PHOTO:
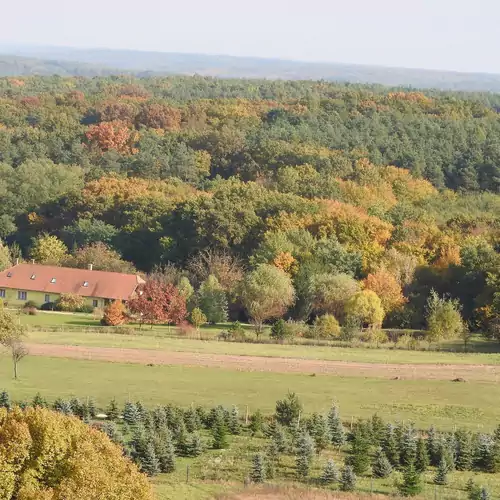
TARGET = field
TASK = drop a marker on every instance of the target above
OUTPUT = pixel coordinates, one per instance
(159, 366)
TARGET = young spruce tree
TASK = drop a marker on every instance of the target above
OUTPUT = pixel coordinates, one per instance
(381, 466)
(412, 482)
(347, 479)
(422, 459)
(337, 432)
(441, 476)
(330, 473)
(258, 472)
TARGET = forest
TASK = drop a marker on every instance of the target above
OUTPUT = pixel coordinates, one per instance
(338, 196)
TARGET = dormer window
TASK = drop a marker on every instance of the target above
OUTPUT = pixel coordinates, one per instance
(53, 280)
(33, 276)
(9, 275)
(85, 283)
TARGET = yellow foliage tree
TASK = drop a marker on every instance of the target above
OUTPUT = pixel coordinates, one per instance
(367, 307)
(45, 455)
(48, 249)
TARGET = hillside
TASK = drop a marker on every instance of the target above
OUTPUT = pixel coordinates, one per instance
(92, 62)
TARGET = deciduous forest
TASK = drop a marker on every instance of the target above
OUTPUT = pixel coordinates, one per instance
(294, 199)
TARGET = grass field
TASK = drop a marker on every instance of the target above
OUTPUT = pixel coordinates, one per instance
(445, 404)
(359, 354)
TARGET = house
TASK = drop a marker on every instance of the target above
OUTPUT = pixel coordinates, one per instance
(42, 284)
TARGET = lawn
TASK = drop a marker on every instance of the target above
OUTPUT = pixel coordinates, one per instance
(445, 404)
(359, 354)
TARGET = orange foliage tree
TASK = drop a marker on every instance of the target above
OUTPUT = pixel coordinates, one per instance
(160, 116)
(114, 135)
(114, 314)
(387, 287)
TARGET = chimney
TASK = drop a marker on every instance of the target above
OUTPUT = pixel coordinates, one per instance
(91, 266)
(17, 261)
(32, 261)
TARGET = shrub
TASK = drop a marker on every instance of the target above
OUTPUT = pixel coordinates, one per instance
(32, 311)
(30, 304)
(407, 342)
(327, 327)
(70, 302)
(375, 336)
(48, 306)
(86, 308)
(114, 314)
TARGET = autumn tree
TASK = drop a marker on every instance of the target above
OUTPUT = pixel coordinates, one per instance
(5, 257)
(11, 337)
(366, 306)
(198, 318)
(114, 135)
(81, 461)
(386, 286)
(114, 314)
(155, 303)
(444, 320)
(47, 249)
(267, 293)
(159, 116)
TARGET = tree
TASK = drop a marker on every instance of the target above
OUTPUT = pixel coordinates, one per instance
(441, 476)
(114, 314)
(444, 320)
(130, 414)
(267, 293)
(256, 421)
(337, 431)
(288, 409)
(155, 302)
(387, 287)
(280, 331)
(165, 452)
(347, 479)
(359, 458)
(113, 135)
(11, 337)
(330, 473)
(366, 306)
(412, 482)
(422, 458)
(433, 442)
(45, 440)
(318, 429)
(327, 327)
(212, 300)
(102, 258)
(381, 466)
(234, 421)
(198, 318)
(219, 433)
(305, 453)
(70, 302)
(149, 461)
(5, 257)
(112, 410)
(47, 249)
(195, 445)
(464, 450)
(5, 400)
(391, 446)
(408, 448)
(258, 472)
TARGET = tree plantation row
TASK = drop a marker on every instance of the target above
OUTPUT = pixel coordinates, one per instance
(288, 440)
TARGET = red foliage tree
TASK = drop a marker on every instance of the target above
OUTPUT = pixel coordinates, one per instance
(158, 303)
(112, 135)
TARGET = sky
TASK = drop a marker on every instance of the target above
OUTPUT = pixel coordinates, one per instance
(460, 35)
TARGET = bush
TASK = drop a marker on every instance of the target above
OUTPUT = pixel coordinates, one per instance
(32, 311)
(30, 304)
(375, 336)
(86, 308)
(48, 306)
(327, 327)
(70, 302)
(350, 329)
(235, 333)
(407, 342)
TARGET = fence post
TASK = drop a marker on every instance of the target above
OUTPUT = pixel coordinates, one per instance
(246, 416)
(187, 473)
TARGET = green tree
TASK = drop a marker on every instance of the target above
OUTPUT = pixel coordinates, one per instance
(422, 458)
(5, 257)
(219, 434)
(267, 292)
(347, 479)
(212, 300)
(5, 400)
(408, 448)
(149, 461)
(234, 420)
(411, 484)
(391, 446)
(444, 320)
(359, 458)
(112, 410)
(198, 318)
(47, 249)
(279, 331)
(464, 450)
(433, 443)
(195, 445)
(258, 472)
(305, 453)
(441, 476)
(330, 473)
(130, 413)
(381, 466)
(11, 337)
(337, 431)
(318, 429)
(256, 421)
(288, 409)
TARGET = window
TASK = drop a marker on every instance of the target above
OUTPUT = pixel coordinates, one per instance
(9, 275)
(22, 295)
(85, 283)
(95, 303)
(47, 298)
(2, 294)
(33, 276)
(53, 280)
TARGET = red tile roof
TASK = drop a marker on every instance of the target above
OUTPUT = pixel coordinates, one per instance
(99, 284)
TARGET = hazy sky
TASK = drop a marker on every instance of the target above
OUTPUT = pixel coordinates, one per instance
(439, 34)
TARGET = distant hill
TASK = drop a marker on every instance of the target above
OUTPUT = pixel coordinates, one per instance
(92, 62)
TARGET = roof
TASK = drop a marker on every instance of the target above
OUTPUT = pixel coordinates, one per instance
(53, 279)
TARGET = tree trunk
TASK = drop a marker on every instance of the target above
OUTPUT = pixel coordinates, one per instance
(15, 369)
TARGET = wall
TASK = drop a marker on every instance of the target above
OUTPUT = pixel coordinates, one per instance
(39, 298)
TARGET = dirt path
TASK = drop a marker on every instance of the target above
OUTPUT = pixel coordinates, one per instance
(265, 364)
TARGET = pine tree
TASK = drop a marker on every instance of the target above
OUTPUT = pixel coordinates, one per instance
(279, 438)
(433, 441)
(192, 420)
(318, 428)
(256, 421)
(62, 406)
(381, 466)
(219, 433)
(464, 450)
(422, 459)
(447, 450)
(330, 473)
(234, 421)
(112, 410)
(141, 410)
(138, 442)
(149, 462)
(195, 445)
(5, 400)
(359, 458)
(408, 450)
(412, 482)
(483, 451)
(470, 485)
(485, 495)
(38, 401)
(258, 472)
(165, 453)
(92, 407)
(441, 476)
(347, 479)
(337, 432)
(303, 466)
(111, 430)
(130, 413)
(390, 446)
(76, 407)
(378, 430)
(182, 440)
(305, 453)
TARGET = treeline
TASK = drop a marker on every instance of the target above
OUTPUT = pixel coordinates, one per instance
(154, 438)
(340, 188)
